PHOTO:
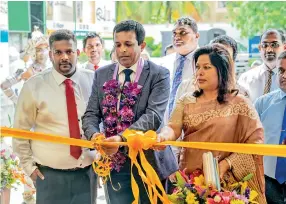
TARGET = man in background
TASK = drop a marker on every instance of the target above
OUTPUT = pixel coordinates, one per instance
(93, 47)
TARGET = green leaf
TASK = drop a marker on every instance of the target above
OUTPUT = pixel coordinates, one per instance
(180, 180)
(248, 177)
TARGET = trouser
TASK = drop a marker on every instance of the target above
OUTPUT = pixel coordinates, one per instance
(74, 186)
(274, 191)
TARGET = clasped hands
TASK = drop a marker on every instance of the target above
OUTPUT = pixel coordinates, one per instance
(112, 149)
(108, 149)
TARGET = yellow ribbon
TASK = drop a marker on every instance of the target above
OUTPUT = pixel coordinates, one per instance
(137, 142)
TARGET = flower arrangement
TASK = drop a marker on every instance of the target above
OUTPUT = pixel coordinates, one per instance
(11, 173)
(193, 190)
(117, 121)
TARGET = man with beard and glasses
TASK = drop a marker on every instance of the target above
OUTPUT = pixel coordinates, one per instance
(272, 111)
(262, 79)
(93, 47)
(53, 102)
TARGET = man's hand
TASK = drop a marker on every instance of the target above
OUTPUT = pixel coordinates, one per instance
(95, 135)
(223, 168)
(36, 173)
(108, 149)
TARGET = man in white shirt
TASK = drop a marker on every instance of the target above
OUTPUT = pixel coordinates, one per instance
(93, 46)
(185, 42)
(263, 79)
(53, 102)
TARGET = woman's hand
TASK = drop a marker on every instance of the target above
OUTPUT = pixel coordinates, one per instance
(223, 168)
(173, 178)
(160, 138)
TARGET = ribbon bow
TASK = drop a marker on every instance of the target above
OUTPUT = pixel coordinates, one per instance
(138, 141)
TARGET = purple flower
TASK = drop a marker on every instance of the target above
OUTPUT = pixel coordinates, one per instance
(247, 193)
(13, 156)
(110, 120)
(126, 114)
(118, 159)
(189, 186)
(125, 125)
(110, 131)
(105, 109)
(109, 101)
(119, 127)
(111, 87)
(129, 101)
(132, 88)
(240, 197)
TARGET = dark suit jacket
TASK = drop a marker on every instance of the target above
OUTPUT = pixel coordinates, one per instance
(149, 110)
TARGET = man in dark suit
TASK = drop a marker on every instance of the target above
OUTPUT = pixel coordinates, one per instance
(148, 110)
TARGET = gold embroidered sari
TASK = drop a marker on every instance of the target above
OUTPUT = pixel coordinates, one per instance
(233, 122)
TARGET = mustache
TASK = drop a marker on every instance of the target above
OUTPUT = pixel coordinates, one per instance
(65, 63)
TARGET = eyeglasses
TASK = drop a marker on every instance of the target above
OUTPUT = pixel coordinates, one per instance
(181, 34)
(281, 71)
(272, 45)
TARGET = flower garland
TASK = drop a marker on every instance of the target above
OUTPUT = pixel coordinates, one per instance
(117, 121)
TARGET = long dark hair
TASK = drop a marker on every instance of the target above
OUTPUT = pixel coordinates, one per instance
(219, 58)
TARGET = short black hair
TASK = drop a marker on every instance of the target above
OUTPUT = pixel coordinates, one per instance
(62, 34)
(131, 25)
(92, 35)
(188, 21)
(282, 55)
(280, 33)
(220, 58)
(228, 41)
(167, 48)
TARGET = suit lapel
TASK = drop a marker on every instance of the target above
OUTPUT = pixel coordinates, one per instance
(143, 77)
(110, 72)
(144, 74)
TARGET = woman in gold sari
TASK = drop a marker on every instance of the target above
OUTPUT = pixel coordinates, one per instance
(216, 113)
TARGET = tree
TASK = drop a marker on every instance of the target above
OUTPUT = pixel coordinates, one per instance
(252, 18)
(158, 12)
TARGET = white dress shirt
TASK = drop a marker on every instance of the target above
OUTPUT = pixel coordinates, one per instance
(252, 82)
(42, 107)
(187, 86)
(121, 77)
(171, 62)
(90, 66)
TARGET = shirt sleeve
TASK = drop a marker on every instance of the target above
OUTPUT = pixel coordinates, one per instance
(25, 115)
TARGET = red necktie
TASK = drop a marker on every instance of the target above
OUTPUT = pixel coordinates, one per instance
(75, 151)
(95, 67)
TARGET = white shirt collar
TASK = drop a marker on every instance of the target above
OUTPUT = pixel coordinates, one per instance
(133, 67)
(61, 78)
(188, 56)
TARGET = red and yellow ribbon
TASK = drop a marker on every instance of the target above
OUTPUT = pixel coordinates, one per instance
(137, 142)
